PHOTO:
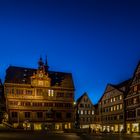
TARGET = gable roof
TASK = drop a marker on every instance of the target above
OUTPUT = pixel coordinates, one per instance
(110, 87)
(22, 75)
(136, 72)
(81, 97)
(137, 68)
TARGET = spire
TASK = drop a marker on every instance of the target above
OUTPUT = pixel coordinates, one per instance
(40, 63)
(46, 65)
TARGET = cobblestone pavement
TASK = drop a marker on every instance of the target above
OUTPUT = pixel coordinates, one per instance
(26, 135)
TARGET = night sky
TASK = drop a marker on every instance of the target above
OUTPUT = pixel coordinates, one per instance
(98, 41)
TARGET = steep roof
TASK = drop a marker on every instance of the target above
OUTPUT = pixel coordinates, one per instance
(22, 75)
(119, 87)
(81, 97)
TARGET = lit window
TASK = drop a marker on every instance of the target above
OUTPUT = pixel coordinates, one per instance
(120, 106)
(114, 99)
(117, 107)
(89, 112)
(111, 100)
(81, 112)
(50, 93)
(135, 88)
(135, 100)
(92, 112)
(114, 108)
(78, 111)
(111, 108)
(120, 97)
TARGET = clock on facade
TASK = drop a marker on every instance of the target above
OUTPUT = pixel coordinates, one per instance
(40, 75)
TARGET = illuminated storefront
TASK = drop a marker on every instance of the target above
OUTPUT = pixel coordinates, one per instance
(37, 126)
(132, 127)
(116, 128)
(121, 128)
(135, 127)
(58, 126)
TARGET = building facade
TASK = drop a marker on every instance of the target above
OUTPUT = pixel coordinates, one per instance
(85, 112)
(38, 98)
(113, 108)
(133, 104)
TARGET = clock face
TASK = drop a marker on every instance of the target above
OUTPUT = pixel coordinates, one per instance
(40, 75)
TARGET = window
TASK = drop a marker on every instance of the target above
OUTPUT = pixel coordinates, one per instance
(114, 108)
(131, 114)
(85, 112)
(68, 115)
(117, 107)
(106, 109)
(14, 114)
(78, 111)
(85, 99)
(58, 104)
(50, 93)
(39, 114)
(89, 105)
(120, 97)
(135, 88)
(69, 95)
(111, 100)
(111, 108)
(81, 105)
(68, 105)
(138, 112)
(39, 92)
(114, 99)
(81, 112)
(27, 103)
(83, 119)
(134, 100)
(60, 94)
(27, 114)
(92, 112)
(28, 92)
(121, 117)
(13, 102)
(37, 104)
(19, 91)
(120, 106)
(88, 112)
(115, 117)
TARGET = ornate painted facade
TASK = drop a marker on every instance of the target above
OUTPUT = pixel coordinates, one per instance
(38, 98)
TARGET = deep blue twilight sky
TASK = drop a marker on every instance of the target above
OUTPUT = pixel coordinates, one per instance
(97, 40)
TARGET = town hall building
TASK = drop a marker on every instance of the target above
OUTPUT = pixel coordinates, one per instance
(39, 99)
